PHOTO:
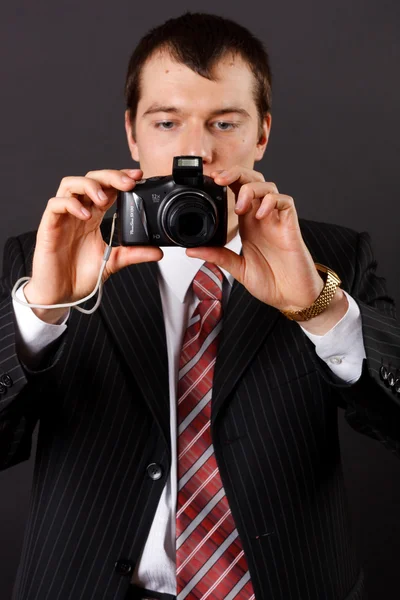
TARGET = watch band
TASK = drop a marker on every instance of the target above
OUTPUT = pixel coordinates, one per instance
(332, 282)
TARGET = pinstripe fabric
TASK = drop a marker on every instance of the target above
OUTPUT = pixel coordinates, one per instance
(102, 401)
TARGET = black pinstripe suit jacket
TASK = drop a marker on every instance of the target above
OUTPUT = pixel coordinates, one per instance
(101, 397)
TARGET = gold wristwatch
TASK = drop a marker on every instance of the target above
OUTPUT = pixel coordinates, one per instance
(332, 282)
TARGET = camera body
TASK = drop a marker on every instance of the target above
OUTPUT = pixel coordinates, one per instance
(183, 209)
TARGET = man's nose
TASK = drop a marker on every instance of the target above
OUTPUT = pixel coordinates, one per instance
(197, 142)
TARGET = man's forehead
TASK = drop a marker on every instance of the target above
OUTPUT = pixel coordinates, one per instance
(168, 83)
(163, 61)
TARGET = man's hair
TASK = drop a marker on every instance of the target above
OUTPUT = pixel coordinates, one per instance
(200, 41)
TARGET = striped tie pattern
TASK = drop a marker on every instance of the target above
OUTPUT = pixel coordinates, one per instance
(210, 561)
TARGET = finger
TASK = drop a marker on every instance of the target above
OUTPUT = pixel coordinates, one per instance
(236, 176)
(104, 175)
(271, 202)
(222, 257)
(62, 206)
(96, 185)
(135, 174)
(252, 191)
(85, 187)
(123, 256)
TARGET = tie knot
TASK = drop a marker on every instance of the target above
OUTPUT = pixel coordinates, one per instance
(207, 284)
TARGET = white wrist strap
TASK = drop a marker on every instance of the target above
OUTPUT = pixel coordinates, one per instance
(99, 285)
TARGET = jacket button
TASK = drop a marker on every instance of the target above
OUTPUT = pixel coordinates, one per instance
(391, 379)
(383, 372)
(3, 388)
(123, 567)
(154, 471)
(6, 379)
(336, 360)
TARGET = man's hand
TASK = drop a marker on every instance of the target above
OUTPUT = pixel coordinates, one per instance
(69, 246)
(275, 266)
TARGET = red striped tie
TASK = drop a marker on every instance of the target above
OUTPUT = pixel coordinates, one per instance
(210, 561)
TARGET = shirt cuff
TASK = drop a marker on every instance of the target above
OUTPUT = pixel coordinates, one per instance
(342, 347)
(34, 335)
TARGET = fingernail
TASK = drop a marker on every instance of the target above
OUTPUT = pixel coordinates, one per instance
(85, 212)
(261, 212)
(223, 174)
(101, 195)
(239, 204)
(126, 180)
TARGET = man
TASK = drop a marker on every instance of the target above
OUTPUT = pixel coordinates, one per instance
(109, 518)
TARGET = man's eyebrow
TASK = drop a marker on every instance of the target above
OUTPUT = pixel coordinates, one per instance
(230, 109)
(156, 108)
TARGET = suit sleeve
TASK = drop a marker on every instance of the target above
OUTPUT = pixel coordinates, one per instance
(21, 396)
(372, 405)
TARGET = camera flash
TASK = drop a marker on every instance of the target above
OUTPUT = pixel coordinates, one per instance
(189, 162)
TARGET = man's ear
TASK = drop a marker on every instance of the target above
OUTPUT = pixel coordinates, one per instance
(133, 147)
(263, 141)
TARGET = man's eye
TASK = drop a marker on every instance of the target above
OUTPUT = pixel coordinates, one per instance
(224, 126)
(165, 125)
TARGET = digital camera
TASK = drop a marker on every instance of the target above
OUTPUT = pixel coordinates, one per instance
(183, 209)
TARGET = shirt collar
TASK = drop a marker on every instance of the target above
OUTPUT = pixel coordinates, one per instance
(178, 270)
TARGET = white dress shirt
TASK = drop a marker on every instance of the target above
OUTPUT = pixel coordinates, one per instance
(342, 348)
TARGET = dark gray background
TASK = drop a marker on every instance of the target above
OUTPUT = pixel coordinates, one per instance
(334, 147)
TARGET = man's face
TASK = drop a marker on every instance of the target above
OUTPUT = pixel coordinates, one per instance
(182, 113)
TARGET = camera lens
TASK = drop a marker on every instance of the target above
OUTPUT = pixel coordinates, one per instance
(190, 224)
(189, 219)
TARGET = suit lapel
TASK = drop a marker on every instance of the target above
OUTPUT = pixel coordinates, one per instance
(247, 322)
(131, 308)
